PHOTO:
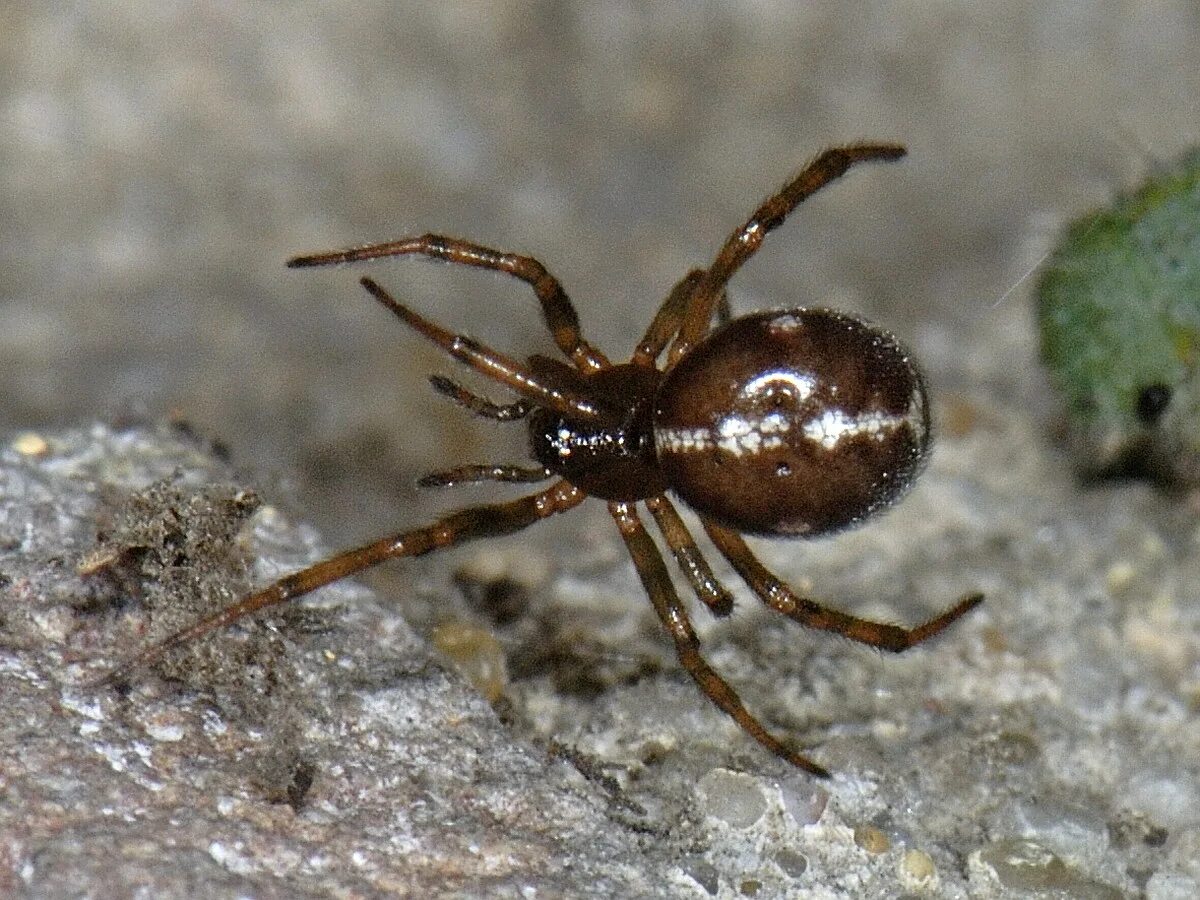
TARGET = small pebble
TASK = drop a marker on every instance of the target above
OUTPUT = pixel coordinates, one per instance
(1023, 865)
(1119, 575)
(476, 654)
(917, 868)
(733, 797)
(30, 443)
(871, 839)
(164, 730)
(793, 863)
(804, 802)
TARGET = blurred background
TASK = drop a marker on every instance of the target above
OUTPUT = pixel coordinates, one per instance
(159, 162)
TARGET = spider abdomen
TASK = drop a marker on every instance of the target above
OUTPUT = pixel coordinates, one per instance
(799, 422)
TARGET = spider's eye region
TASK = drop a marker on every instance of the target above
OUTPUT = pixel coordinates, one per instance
(795, 423)
(1152, 402)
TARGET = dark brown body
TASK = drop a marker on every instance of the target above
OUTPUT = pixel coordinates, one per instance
(790, 423)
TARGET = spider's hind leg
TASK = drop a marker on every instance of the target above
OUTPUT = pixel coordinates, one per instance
(688, 557)
(811, 614)
(671, 612)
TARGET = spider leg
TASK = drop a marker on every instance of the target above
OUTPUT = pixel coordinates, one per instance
(559, 314)
(480, 406)
(811, 614)
(745, 241)
(688, 556)
(666, 321)
(476, 474)
(456, 528)
(657, 582)
(540, 387)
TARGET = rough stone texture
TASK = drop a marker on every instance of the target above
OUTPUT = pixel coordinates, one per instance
(356, 766)
(156, 167)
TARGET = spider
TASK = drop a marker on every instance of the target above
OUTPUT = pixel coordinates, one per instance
(794, 423)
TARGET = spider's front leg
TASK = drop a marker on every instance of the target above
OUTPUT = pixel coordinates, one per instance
(541, 387)
(557, 310)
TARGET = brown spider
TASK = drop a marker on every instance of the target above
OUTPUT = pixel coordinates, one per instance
(794, 423)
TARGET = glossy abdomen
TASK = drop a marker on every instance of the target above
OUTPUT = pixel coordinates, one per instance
(797, 422)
